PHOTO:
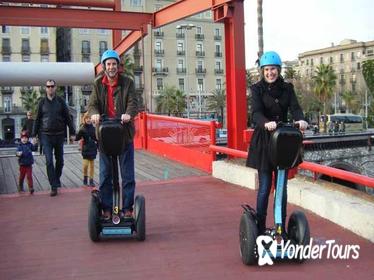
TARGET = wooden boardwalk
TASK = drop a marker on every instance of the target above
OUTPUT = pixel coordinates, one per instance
(148, 167)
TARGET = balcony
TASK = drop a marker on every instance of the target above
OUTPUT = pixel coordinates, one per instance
(181, 52)
(25, 50)
(6, 50)
(12, 110)
(181, 70)
(199, 36)
(86, 89)
(160, 71)
(158, 34)
(218, 71)
(218, 54)
(200, 53)
(44, 50)
(179, 35)
(7, 90)
(217, 37)
(159, 52)
(200, 71)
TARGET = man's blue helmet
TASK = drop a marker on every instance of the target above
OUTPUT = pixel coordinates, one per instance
(109, 54)
(270, 58)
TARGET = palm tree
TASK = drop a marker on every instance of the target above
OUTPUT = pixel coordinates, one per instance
(349, 100)
(30, 100)
(260, 31)
(290, 74)
(180, 103)
(166, 101)
(217, 102)
(127, 66)
(324, 83)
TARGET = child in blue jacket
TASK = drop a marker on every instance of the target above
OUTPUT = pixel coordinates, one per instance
(25, 160)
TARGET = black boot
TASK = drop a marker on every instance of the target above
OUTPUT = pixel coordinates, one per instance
(85, 180)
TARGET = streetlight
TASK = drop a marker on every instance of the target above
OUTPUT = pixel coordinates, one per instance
(186, 27)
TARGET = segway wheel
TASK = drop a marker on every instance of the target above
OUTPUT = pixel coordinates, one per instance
(139, 206)
(298, 232)
(247, 238)
(94, 227)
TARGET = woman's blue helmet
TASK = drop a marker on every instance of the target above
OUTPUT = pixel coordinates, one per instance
(109, 54)
(270, 58)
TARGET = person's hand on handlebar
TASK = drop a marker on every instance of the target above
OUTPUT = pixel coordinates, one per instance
(125, 118)
(303, 125)
(95, 119)
(270, 126)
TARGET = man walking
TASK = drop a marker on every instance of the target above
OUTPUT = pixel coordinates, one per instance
(50, 124)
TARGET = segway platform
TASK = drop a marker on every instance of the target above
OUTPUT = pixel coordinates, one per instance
(112, 142)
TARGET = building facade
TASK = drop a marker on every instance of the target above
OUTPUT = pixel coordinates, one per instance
(346, 59)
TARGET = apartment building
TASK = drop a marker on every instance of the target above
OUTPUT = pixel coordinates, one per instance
(346, 59)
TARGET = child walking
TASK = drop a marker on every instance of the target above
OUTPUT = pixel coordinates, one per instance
(25, 160)
(89, 149)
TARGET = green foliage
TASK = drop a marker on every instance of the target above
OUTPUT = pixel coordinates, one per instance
(368, 73)
(171, 101)
(127, 66)
(350, 101)
(217, 102)
(290, 74)
(30, 100)
(324, 83)
(250, 79)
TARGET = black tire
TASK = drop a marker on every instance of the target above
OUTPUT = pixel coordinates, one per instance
(139, 206)
(298, 232)
(94, 226)
(247, 238)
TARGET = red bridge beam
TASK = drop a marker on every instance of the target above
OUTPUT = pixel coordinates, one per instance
(78, 18)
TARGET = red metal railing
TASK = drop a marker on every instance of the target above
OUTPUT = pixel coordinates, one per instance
(313, 167)
(183, 140)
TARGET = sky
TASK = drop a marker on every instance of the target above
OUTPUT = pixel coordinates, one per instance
(291, 27)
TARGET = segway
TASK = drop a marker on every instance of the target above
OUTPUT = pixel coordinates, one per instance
(284, 150)
(110, 138)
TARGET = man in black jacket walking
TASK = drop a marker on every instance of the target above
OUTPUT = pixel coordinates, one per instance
(50, 124)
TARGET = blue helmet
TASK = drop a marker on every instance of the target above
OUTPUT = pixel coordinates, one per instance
(270, 58)
(109, 54)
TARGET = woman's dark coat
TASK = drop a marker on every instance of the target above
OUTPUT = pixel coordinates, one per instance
(270, 102)
(89, 147)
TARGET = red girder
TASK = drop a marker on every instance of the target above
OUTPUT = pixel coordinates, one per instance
(80, 18)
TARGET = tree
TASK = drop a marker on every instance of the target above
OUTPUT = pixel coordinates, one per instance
(368, 73)
(290, 74)
(180, 103)
(30, 100)
(217, 103)
(169, 101)
(127, 66)
(324, 83)
(349, 100)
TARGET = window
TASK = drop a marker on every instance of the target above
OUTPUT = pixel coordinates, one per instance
(180, 47)
(370, 52)
(5, 29)
(44, 48)
(160, 84)
(218, 84)
(200, 85)
(307, 62)
(180, 63)
(341, 57)
(86, 48)
(135, 3)
(6, 58)
(321, 60)
(83, 31)
(103, 46)
(159, 64)
(44, 30)
(311, 62)
(199, 47)
(198, 30)
(6, 46)
(181, 84)
(158, 46)
(331, 60)
(103, 32)
(352, 56)
(7, 104)
(217, 32)
(25, 30)
(218, 65)
(199, 65)
(25, 48)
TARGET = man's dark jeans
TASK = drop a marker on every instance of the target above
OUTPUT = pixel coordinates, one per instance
(265, 180)
(127, 168)
(53, 144)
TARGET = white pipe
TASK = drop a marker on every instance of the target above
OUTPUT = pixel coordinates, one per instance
(37, 73)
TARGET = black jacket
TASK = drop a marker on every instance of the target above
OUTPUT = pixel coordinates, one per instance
(52, 117)
(89, 147)
(270, 102)
(28, 126)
